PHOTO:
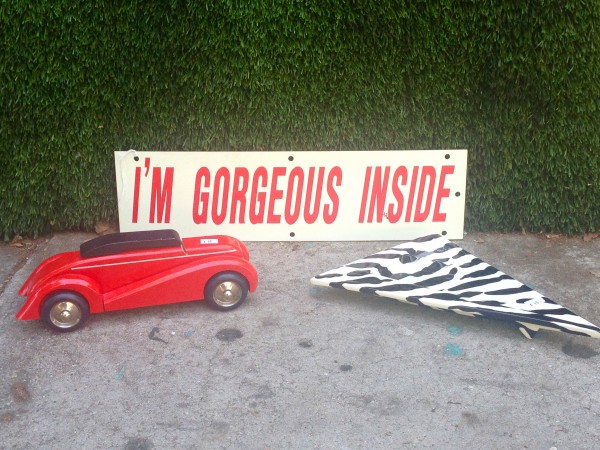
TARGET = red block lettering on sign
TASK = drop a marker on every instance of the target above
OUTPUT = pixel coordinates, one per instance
(160, 199)
(266, 197)
(424, 184)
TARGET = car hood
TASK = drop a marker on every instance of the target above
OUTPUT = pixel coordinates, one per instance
(215, 244)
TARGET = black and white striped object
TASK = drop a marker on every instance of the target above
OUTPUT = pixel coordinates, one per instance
(432, 271)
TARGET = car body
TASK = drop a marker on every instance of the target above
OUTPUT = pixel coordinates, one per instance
(135, 269)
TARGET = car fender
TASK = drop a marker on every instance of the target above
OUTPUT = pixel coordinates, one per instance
(84, 286)
(215, 266)
(207, 268)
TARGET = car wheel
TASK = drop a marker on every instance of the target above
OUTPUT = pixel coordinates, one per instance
(226, 291)
(65, 311)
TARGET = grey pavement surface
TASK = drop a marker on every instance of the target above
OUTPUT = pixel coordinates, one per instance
(307, 368)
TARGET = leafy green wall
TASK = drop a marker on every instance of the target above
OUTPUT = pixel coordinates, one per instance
(517, 83)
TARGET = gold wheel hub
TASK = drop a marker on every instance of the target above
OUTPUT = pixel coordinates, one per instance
(65, 314)
(227, 293)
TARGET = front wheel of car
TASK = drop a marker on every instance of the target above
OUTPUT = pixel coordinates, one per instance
(226, 291)
(65, 311)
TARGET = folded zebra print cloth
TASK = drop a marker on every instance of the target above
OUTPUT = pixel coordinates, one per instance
(432, 271)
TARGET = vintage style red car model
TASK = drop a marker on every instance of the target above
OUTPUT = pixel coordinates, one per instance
(134, 269)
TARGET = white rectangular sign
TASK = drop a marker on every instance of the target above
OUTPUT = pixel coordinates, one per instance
(305, 196)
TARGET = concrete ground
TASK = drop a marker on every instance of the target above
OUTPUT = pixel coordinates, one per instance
(304, 367)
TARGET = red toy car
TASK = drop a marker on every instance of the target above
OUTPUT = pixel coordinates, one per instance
(134, 269)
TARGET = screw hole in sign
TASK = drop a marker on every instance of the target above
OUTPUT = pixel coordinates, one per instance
(444, 233)
(292, 234)
(136, 158)
(457, 194)
(447, 156)
(290, 158)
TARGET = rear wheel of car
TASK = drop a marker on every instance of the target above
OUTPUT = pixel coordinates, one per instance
(226, 291)
(65, 311)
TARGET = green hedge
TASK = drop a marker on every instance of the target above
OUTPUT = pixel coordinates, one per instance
(517, 83)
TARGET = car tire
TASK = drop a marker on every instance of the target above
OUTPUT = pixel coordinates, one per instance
(226, 291)
(65, 311)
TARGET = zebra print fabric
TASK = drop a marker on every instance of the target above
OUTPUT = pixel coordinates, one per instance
(432, 271)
